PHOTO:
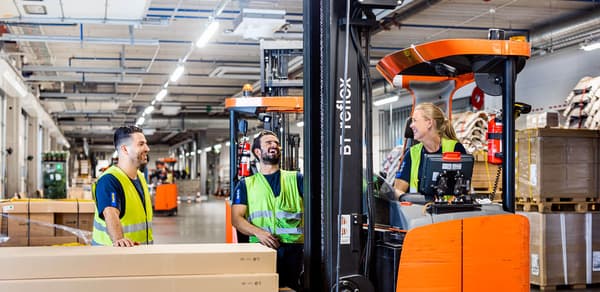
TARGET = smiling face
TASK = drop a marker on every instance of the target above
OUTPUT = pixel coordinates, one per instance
(137, 149)
(269, 151)
(422, 127)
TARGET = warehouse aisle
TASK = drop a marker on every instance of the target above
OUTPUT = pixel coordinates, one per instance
(195, 223)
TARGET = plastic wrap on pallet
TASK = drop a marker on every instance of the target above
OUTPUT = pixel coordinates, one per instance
(46, 222)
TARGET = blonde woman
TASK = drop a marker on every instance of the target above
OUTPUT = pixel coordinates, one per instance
(436, 135)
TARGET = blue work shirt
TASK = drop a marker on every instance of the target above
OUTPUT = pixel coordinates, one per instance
(240, 194)
(109, 193)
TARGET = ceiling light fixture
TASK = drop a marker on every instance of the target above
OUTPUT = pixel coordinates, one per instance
(177, 73)
(208, 33)
(386, 100)
(149, 110)
(140, 121)
(591, 46)
(300, 124)
(161, 95)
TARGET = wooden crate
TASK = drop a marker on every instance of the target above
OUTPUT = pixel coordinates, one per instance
(557, 164)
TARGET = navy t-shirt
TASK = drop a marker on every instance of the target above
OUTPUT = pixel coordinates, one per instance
(109, 193)
(240, 195)
(404, 171)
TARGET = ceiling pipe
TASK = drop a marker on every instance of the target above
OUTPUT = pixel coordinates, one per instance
(75, 21)
(98, 79)
(115, 70)
(223, 62)
(556, 30)
(70, 39)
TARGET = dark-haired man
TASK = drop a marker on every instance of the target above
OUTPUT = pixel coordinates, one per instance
(123, 215)
(268, 207)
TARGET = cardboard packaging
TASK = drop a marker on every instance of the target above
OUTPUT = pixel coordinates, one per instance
(147, 260)
(557, 163)
(542, 120)
(565, 249)
(484, 177)
(222, 283)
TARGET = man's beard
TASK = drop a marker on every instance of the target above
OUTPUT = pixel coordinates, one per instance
(141, 161)
(272, 159)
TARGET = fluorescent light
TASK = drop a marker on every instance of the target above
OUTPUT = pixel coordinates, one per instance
(227, 143)
(177, 73)
(386, 100)
(166, 84)
(149, 110)
(153, 102)
(208, 149)
(217, 146)
(300, 124)
(187, 154)
(207, 34)
(161, 95)
(199, 151)
(140, 121)
(591, 46)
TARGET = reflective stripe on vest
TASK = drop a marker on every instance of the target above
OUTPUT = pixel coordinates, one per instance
(282, 215)
(137, 221)
(415, 160)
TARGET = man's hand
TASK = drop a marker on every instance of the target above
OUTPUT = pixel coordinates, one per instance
(125, 242)
(267, 239)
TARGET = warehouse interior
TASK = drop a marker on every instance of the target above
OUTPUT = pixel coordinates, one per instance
(202, 79)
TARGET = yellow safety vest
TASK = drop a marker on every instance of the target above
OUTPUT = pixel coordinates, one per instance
(137, 222)
(415, 160)
(282, 216)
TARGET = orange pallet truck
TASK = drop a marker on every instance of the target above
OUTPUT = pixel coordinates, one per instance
(166, 199)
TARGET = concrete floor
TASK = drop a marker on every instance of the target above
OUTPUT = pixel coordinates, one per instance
(202, 222)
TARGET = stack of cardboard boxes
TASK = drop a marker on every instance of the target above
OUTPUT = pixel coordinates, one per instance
(152, 268)
(45, 222)
(557, 187)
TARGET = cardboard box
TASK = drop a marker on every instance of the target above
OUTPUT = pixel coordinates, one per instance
(34, 224)
(146, 260)
(80, 221)
(557, 163)
(542, 120)
(39, 241)
(48, 206)
(484, 177)
(222, 283)
(565, 249)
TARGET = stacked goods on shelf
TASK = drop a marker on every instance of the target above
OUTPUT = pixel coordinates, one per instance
(485, 175)
(583, 104)
(556, 165)
(471, 129)
(148, 268)
(542, 120)
(46, 222)
(557, 188)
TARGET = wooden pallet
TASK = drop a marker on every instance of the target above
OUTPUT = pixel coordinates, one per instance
(558, 206)
(564, 287)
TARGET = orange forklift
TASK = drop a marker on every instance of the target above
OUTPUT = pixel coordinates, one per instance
(358, 237)
(165, 197)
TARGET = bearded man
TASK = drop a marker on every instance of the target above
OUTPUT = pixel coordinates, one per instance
(268, 207)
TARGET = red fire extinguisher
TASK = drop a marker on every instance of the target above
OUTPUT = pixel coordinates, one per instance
(494, 140)
(244, 154)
